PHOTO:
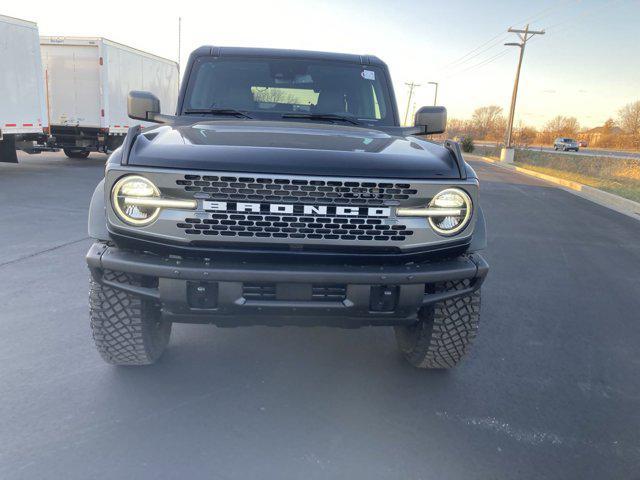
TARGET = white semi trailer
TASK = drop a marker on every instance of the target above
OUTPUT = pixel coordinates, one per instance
(22, 96)
(88, 81)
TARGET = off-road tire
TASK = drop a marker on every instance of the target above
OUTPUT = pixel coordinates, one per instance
(75, 153)
(442, 336)
(127, 330)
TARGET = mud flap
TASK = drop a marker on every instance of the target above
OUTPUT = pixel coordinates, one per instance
(8, 152)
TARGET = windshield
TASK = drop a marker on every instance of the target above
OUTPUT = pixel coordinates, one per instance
(273, 88)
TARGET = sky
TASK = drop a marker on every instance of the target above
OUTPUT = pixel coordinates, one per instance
(586, 65)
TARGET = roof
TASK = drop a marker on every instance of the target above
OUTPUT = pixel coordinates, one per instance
(69, 40)
(614, 130)
(285, 53)
(18, 21)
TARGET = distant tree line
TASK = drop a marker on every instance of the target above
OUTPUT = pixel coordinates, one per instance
(489, 123)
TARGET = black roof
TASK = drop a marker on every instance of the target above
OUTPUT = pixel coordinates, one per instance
(284, 53)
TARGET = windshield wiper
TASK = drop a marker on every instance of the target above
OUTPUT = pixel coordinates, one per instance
(322, 116)
(218, 111)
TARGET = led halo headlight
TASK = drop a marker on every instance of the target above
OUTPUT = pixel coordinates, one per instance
(451, 198)
(135, 186)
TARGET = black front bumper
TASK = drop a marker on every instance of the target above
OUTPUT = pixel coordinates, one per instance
(367, 294)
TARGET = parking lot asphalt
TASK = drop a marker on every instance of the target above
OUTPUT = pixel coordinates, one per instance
(550, 390)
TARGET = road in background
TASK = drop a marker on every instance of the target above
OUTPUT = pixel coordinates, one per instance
(550, 390)
(592, 152)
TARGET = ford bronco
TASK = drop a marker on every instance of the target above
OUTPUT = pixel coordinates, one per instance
(285, 192)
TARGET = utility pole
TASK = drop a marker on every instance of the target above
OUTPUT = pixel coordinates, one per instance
(411, 87)
(435, 96)
(524, 35)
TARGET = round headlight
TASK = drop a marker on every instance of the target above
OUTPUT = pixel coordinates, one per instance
(451, 198)
(134, 187)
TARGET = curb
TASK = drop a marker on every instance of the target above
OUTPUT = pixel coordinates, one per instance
(606, 199)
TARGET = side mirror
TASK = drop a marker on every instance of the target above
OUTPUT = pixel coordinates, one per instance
(143, 106)
(432, 119)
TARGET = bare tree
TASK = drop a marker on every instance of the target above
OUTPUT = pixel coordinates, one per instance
(560, 126)
(274, 95)
(629, 119)
(525, 135)
(498, 129)
(486, 121)
(608, 137)
(457, 127)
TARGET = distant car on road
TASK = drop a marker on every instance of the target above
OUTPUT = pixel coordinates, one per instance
(565, 144)
(582, 143)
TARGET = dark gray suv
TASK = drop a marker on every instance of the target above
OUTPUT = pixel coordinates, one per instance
(566, 144)
(285, 192)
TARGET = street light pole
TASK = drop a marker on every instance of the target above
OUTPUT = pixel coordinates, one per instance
(435, 96)
(411, 87)
(525, 35)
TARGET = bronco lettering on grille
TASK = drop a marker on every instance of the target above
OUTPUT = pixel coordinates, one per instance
(287, 208)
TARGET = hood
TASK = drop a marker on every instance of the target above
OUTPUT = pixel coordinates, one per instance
(296, 148)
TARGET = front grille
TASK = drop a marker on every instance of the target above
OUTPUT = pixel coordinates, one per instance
(296, 190)
(294, 227)
(288, 212)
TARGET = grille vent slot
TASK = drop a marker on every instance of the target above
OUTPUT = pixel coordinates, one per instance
(329, 293)
(294, 227)
(264, 189)
(259, 291)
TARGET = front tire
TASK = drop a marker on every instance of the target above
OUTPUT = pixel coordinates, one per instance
(444, 332)
(75, 153)
(127, 330)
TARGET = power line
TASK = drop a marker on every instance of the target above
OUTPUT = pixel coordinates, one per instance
(498, 39)
(480, 64)
(586, 13)
(546, 12)
(574, 22)
(474, 50)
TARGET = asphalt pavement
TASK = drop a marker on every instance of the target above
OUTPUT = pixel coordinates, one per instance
(550, 390)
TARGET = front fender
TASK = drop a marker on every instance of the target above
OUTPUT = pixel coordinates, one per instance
(97, 215)
(479, 239)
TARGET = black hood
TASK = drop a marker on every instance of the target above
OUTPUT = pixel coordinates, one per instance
(296, 148)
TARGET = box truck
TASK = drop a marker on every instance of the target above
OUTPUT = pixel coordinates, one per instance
(22, 96)
(88, 80)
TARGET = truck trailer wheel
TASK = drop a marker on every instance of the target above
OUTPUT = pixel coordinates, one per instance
(76, 153)
(127, 330)
(445, 331)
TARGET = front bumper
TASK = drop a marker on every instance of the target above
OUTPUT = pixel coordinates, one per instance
(291, 299)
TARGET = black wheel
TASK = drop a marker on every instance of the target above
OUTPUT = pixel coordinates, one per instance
(127, 330)
(75, 153)
(442, 336)
(555, 148)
